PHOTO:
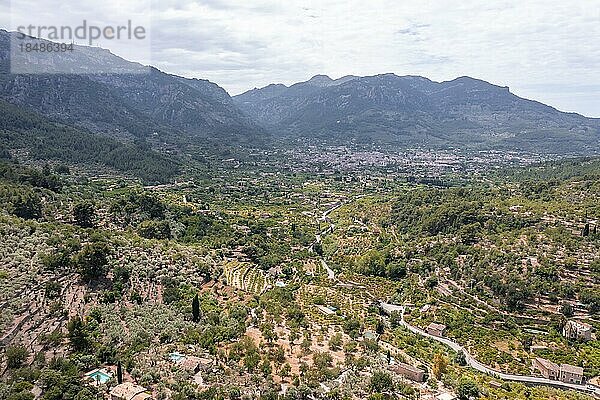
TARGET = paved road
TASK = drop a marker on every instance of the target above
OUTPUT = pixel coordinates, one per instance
(330, 210)
(472, 362)
(330, 272)
(330, 228)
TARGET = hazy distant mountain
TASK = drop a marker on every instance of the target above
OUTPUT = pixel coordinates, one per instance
(412, 110)
(153, 104)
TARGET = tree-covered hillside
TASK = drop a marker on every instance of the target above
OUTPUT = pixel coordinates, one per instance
(41, 138)
(274, 280)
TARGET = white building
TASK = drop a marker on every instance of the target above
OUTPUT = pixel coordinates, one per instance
(576, 330)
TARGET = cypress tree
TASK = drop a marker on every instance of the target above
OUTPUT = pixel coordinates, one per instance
(196, 309)
(119, 373)
(586, 230)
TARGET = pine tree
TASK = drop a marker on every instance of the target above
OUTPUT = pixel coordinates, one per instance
(77, 333)
(196, 309)
(84, 214)
(380, 327)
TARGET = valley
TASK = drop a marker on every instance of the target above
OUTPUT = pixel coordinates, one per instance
(373, 237)
(108, 273)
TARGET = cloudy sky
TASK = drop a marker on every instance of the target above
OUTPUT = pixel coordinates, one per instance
(548, 50)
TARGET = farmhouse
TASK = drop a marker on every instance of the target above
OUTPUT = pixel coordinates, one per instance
(408, 371)
(576, 330)
(129, 391)
(194, 364)
(548, 369)
(435, 329)
(571, 374)
(565, 372)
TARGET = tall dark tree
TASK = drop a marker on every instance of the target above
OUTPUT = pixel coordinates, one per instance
(84, 213)
(586, 230)
(196, 309)
(119, 373)
(92, 260)
(380, 327)
(77, 333)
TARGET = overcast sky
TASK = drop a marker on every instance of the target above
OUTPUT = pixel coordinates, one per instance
(548, 50)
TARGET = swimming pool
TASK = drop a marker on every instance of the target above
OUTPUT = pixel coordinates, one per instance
(176, 356)
(99, 376)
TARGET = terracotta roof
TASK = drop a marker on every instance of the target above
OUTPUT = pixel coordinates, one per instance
(129, 391)
(189, 363)
(192, 362)
(435, 325)
(407, 367)
(547, 364)
(571, 369)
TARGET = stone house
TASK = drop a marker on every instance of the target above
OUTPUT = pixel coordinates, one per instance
(571, 374)
(576, 330)
(408, 371)
(548, 369)
(129, 391)
(435, 329)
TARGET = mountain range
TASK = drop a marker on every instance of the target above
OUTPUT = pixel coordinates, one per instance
(413, 110)
(147, 104)
(155, 116)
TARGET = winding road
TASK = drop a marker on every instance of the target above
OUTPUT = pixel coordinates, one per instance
(472, 362)
(324, 217)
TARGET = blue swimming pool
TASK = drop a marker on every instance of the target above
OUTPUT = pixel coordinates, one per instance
(99, 376)
(176, 356)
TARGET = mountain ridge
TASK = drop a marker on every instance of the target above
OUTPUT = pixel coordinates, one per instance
(386, 109)
(409, 110)
(145, 104)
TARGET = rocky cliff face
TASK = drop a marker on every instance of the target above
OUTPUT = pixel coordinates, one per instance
(149, 103)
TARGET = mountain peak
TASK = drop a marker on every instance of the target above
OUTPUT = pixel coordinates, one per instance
(111, 95)
(320, 80)
(412, 110)
(320, 77)
(477, 83)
